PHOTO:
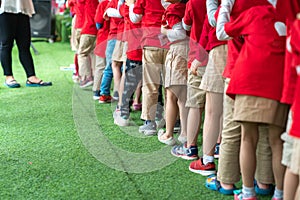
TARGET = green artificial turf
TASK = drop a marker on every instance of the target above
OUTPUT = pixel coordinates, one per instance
(57, 143)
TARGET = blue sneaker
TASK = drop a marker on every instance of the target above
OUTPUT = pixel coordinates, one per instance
(96, 95)
(261, 191)
(213, 184)
(181, 151)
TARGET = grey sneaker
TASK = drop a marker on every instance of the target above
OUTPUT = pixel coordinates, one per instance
(149, 128)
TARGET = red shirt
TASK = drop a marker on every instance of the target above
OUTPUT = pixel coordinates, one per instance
(114, 22)
(295, 38)
(152, 12)
(289, 10)
(234, 45)
(258, 70)
(89, 26)
(194, 16)
(209, 37)
(173, 15)
(102, 34)
(80, 14)
(133, 34)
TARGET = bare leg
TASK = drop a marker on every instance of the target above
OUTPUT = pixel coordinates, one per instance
(248, 152)
(116, 67)
(291, 182)
(193, 125)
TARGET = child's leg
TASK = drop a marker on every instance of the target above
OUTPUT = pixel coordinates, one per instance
(291, 182)
(248, 152)
(116, 68)
(212, 121)
(138, 93)
(276, 145)
(171, 113)
(297, 196)
(98, 72)
(132, 77)
(193, 126)
(183, 111)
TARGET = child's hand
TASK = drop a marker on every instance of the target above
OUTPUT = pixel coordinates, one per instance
(105, 16)
(194, 66)
(129, 2)
(163, 30)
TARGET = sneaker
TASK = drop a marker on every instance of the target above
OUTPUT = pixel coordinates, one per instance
(199, 168)
(115, 96)
(181, 151)
(160, 123)
(116, 113)
(121, 121)
(177, 127)
(213, 184)
(149, 128)
(217, 151)
(170, 141)
(264, 192)
(96, 95)
(238, 195)
(105, 99)
(75, 78)
(86, 83)
(274, 198)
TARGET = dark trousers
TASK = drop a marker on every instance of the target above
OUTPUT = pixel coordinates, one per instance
(133, 75)
(15, 27)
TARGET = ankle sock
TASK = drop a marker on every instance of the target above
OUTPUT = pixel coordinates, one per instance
(207, 159)
(278, 193)
(248, 192)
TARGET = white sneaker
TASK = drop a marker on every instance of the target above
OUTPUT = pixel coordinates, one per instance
(120, 121)
(160, 123)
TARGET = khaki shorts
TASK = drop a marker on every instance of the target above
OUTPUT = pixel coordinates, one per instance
(213, 80)
(119, 53)
(195, 96)
(295, 163)
(176, 64)
(261, 110)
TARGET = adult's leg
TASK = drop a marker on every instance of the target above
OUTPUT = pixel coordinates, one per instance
(8, 23)
(23, 39)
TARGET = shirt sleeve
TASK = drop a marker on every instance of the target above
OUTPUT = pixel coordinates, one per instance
(212, 6)
(112, 12)
(187, 19)
(134, 17)
(223, 18)
(176, 33)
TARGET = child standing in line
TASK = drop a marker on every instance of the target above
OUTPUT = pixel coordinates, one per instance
(133, 73)
(119, 53)
(197, 58)
(229, 167)
(256, 84)
(291, 180)
(102, 26)
(87, 45)
(176, 72)
(213, 83)
(114, 22)
(150, 13)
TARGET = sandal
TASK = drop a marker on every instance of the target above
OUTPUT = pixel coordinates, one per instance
(213, 184)
(262, 191)
(170, 141)
(41, 83)
(12, 84)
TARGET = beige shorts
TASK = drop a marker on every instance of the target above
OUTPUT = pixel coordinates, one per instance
(213, 80)
(176, 64)
(119, 53)
(261, 110)
(195, 96)
(295, 162)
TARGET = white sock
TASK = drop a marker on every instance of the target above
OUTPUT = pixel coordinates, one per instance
(207, 159)
(278, 193)
(248, 192)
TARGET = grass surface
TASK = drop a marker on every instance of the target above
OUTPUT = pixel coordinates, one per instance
(57, 143)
